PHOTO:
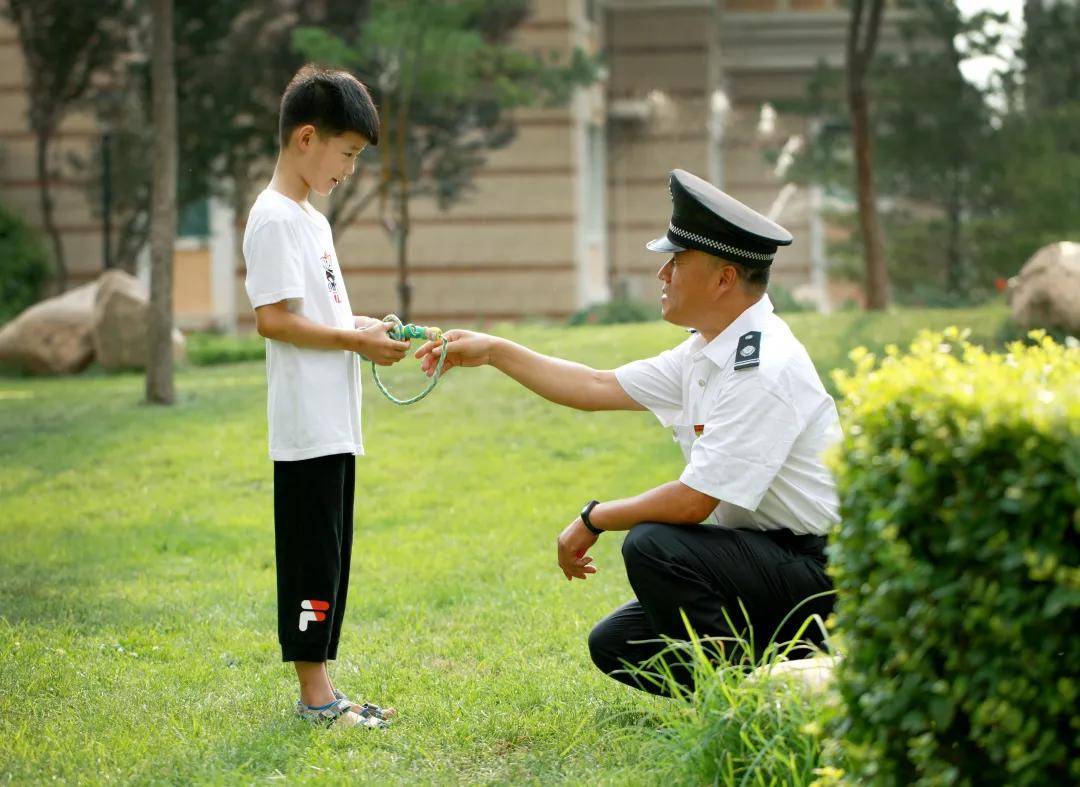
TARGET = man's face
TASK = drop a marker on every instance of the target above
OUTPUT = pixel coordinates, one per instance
(328, 161)
(688, 287)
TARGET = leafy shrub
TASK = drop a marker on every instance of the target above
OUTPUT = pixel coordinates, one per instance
(958, 564)
(830, 339)
(1009, 331)
(614, 311)
(785, 302)
(207, 349)
(934, 295)
(23, 265)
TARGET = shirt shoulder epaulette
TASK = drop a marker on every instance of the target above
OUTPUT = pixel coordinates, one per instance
(748, 353)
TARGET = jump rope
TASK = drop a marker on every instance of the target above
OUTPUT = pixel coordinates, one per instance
(404, 333)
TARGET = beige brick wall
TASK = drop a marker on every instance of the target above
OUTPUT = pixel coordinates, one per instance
(761, 51)
(511, 248)
(19, 185)
(508, 249)
(665, 49)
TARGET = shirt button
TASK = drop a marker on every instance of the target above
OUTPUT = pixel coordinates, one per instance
(701, 383)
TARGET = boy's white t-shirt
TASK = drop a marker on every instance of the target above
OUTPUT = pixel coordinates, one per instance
(313, 401)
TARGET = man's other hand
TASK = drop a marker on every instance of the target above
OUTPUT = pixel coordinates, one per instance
(572, 545)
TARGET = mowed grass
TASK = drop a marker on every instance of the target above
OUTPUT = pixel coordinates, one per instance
(137, 610)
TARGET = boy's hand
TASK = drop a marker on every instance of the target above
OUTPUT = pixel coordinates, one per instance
(465, 348)
(360, 322)
(374, 342)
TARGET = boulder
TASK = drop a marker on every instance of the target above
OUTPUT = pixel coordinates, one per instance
(1046, 292)
(120, 324)
(53, 336)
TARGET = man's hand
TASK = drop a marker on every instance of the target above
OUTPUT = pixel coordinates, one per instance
(572, 545)
(374, 342)
(464, 348)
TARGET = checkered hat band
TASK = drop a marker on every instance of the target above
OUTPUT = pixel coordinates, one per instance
(715, 244)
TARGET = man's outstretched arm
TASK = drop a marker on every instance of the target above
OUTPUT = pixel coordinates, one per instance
(562, 382)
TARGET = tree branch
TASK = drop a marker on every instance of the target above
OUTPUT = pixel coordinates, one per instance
(360, 206)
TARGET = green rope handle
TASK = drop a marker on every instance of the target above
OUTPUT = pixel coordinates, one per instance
(405, 333)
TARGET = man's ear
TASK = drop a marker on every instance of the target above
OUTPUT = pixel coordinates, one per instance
(726, 279)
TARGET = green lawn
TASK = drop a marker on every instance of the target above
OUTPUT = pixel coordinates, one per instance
(137, 622)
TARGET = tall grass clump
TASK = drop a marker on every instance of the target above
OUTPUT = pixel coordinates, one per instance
(745, 721)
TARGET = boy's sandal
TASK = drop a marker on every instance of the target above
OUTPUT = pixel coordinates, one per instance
(338, 713)
(366, 708)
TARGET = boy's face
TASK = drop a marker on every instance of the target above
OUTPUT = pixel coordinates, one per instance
(326, 162)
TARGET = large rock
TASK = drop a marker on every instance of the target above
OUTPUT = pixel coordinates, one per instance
(1046, 292)
(53, 336)
(813, 674)
(120, 326)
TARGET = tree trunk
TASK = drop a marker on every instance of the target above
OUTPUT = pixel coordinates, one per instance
(401, 242)
(159, 366)
(130, 240)
(404, 289)
(877, 275)
(859, 56)
(43, 138)
(955, 263)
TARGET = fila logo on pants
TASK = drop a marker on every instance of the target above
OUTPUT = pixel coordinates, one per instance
(312, 610)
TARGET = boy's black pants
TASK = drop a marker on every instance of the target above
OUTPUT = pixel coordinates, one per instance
(313, 531)
(705, 571)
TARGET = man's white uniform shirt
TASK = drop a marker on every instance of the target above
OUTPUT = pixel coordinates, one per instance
(753, 437)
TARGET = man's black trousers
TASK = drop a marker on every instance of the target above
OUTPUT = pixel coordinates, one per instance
(313, 533)
(705, 571)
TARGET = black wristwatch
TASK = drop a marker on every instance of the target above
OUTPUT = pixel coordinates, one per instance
(585, 518)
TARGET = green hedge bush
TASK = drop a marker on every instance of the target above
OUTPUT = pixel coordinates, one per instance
(24, 266)
(616, 311)
(208, 349)
(958, 564)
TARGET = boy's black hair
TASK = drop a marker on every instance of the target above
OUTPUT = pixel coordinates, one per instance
(333, 101)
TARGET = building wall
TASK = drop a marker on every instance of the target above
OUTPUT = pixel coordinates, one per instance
(662, 49)
(19, 183)
(751, 52)
(75, 199)
(510, 248)
(559, 218)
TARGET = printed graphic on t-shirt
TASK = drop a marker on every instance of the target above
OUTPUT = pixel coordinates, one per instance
(312, 611)
(331, 284)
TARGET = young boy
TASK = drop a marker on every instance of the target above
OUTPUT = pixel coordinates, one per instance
(296, 288)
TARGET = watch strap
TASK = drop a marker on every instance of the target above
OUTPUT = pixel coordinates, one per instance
(585, 518)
